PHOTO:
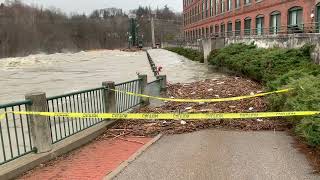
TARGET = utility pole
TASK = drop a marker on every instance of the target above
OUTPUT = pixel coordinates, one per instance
(133, 30)
(152, 32)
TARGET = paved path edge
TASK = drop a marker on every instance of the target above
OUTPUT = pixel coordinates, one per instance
(17, 167)
(133, 157)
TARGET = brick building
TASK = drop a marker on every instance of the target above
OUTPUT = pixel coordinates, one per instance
(204, 18)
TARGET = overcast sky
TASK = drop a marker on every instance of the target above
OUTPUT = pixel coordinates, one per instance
(87, 6)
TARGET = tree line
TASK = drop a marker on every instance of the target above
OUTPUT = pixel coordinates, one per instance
(27, 29)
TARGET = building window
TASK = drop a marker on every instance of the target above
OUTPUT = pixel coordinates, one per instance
(229, 29)
(207, 8)
(295, 20)
(247, 26)
(318, 18)
(217, 7)
(229, 6)
(222, 29)
(247, 2)
(216, 30)
(238, 28)
(275, 18)
(212, 7)
(237, 4)
(222, 6)
(211, 30)
(202, 32)
(203, 9)
(259, 24)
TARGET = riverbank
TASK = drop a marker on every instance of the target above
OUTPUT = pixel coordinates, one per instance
(277, 68)
(130, 131)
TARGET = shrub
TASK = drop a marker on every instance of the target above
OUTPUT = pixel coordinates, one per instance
(278, 69)
(258, 63)
(191, 54)
(305, 96)
(309, 129)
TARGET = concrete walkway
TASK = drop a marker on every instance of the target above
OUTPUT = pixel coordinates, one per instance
(221, 155)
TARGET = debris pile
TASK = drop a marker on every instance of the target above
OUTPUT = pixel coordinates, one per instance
(206, 89)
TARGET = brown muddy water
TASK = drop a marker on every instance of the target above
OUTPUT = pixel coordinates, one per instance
(68, 72)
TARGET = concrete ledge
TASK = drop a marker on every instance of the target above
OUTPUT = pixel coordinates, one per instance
(17, 167)
(126, 163)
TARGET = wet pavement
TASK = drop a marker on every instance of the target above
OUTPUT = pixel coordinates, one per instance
(221, 155)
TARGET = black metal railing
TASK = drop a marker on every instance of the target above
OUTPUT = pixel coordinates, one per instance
(15, 136)
(277, 30)
(124, 102)
(152, 65)
(87, 101)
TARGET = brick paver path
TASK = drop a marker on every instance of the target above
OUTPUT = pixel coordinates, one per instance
(92, 161)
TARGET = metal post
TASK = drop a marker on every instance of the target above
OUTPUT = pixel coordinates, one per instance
(163, 82)
(143, 86)
(109, 97)
(39, 125)
(152, 32)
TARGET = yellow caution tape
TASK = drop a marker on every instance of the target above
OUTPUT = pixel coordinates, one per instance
(205, 100)
(169, 116)
(2, 116)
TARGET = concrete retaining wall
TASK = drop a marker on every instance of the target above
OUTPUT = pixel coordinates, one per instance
(282, 41)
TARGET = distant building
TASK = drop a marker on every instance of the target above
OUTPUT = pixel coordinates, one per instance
(204, 18)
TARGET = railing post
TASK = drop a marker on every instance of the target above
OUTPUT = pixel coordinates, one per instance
(109, 97)
(143, 86)
(163, 82)
(39, 125)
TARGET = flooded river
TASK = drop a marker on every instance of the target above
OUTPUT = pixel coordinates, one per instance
(180, 69)
(63, 73)
(67, 72)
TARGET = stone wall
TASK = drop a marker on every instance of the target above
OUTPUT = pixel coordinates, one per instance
(282, 41)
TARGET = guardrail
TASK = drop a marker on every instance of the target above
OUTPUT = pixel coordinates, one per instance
(125, 102)
(15, 136)
(152, 64)
(87, 101)
(21, 134)
(272, 31)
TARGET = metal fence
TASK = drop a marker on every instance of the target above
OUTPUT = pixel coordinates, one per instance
(87, 101)
(272, 31)
(15, 137)
(124, 102)
(15, 133)
(152, 64)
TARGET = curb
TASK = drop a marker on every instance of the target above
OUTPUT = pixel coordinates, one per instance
(133, 157)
